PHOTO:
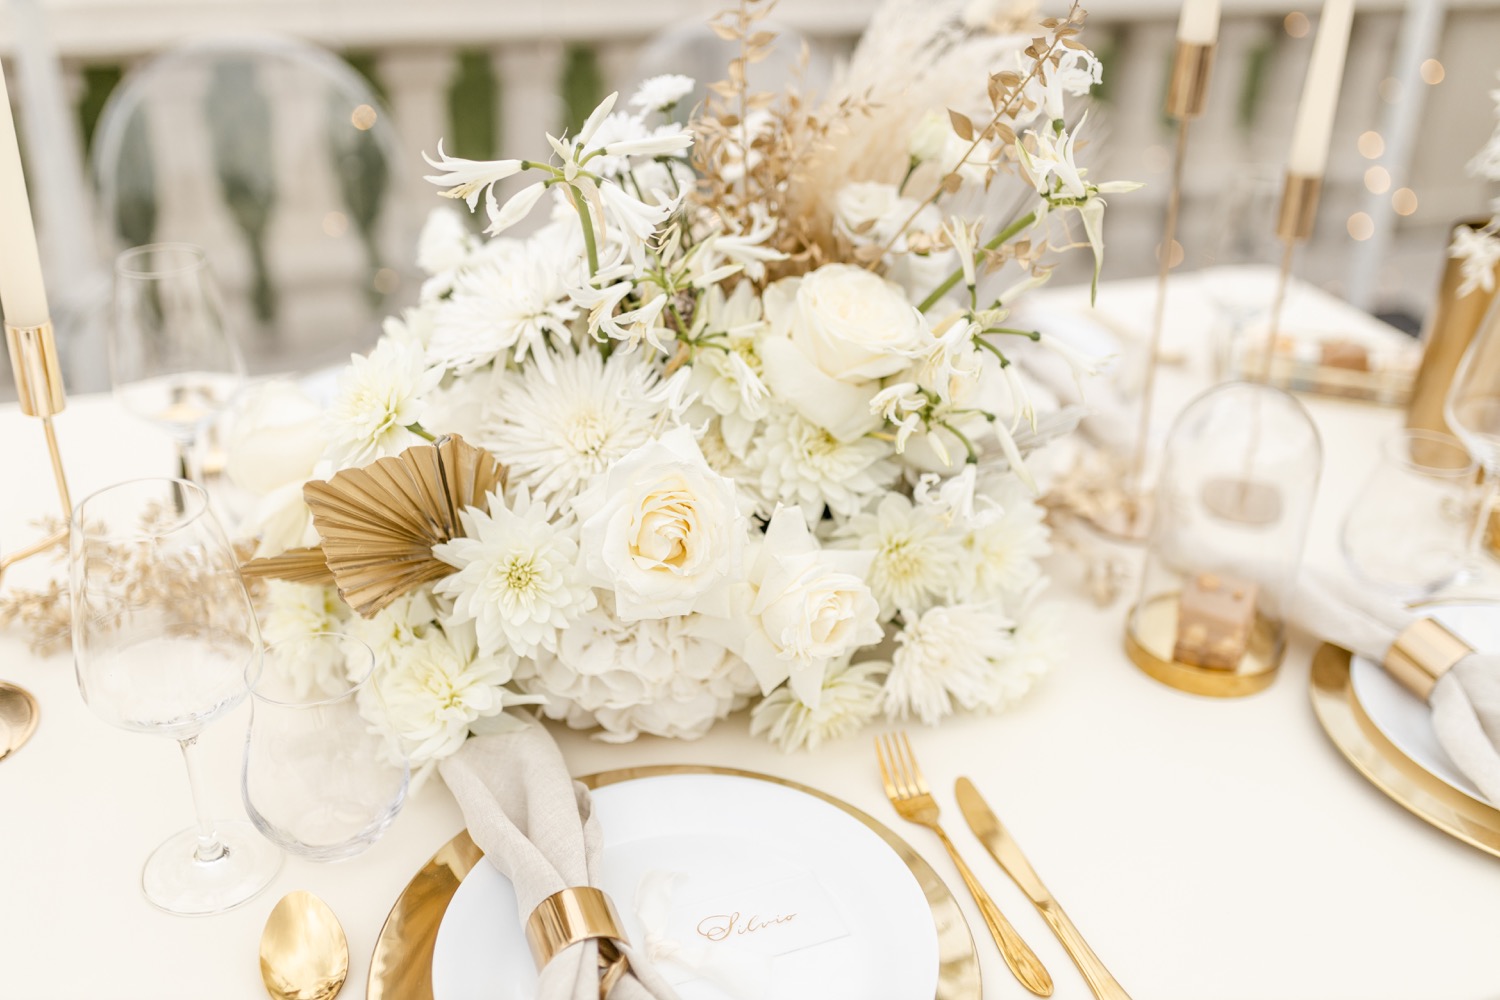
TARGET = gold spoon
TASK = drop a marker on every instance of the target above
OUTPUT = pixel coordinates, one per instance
(303, 952)
(18, 718)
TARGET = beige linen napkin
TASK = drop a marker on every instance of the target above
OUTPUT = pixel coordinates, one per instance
(1465, 702)
(535, 825)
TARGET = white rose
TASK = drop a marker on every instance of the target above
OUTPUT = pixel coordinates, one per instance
(663, 530)
(802, 609)
(930, 137)
(276, 437)
(834, 332)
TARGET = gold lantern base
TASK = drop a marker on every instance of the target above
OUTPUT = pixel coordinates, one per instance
(1151, 634)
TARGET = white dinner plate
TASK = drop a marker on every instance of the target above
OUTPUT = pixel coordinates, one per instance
(727, 845)
(1403, 717)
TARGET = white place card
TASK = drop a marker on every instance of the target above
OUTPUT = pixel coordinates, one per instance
(760, 918)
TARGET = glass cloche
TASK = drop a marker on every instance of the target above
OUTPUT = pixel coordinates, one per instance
(1239, 474)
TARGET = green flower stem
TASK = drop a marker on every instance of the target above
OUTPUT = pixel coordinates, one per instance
(420, 432)
(999, 238)
(1009, 331)
(973, 458)
(588, 229)
(1004, 361)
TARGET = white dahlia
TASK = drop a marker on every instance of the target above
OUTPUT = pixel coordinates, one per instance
(379, 397)
(919, 560)
(506, 305)
(800, 463)
(518, 578)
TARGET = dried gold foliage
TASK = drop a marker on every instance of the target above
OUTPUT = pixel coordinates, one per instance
(44, 616)
(782, 158)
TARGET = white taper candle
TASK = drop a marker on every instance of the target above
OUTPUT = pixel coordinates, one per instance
(1199, 22)
(1320, 92)
(22, 293)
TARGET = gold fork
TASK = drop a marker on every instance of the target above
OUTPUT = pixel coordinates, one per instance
(908, 792)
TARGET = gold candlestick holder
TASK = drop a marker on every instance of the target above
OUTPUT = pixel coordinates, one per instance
(1294, 225)
(39, 389)
(1127, 513)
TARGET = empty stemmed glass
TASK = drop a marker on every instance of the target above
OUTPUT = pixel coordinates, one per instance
(172, 361)
(163, 634)
(1473, 412)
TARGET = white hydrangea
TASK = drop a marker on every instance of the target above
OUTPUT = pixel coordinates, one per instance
(658, 676)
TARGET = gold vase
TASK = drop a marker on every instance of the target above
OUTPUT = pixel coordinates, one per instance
(1450, 329)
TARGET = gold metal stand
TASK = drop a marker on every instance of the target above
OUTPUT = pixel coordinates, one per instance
(1294, 225)
(1186, 99)
(39, 388)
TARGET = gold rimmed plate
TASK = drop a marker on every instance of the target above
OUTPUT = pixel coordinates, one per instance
(401, 968)
(1360, 740)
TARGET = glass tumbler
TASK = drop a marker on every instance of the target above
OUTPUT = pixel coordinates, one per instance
(1408, 531)
(318, 779)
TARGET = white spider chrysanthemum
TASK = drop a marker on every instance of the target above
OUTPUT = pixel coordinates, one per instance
(658, 93)
(850, 699)
(379, 397)
(557, 433)
(1006, 540)
(919, 560)
(510, 302)
(657, 676)
(438, 689)
(518, 578)
(950, 655)
(800, 463)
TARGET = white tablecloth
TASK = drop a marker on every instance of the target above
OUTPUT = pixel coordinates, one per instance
(1208, 849)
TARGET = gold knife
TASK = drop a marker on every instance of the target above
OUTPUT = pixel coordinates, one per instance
(1003, 848)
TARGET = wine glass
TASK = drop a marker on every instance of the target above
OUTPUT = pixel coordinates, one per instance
(1473, 412)
(318, 779)
(1407, 530)
(163, 634)
(172, 361)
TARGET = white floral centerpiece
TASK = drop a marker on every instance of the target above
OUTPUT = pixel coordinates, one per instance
(763, 440)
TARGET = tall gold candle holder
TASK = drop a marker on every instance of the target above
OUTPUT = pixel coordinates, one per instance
(1128, 516)
(39, 389)
(1294, 225)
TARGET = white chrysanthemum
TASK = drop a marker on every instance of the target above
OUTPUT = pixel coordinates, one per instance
(509, 303)
(294, 610)
(850, 699)
(658, 93)
(518, 578)
(445, 242)
(554, 434)
(918, 559)
(800, 463)
(396, 626)
(436, 689)
(655, 676)
(950, 655)
(379, 396)
(1006, 540)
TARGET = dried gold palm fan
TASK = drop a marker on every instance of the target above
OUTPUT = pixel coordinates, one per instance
(378, 524)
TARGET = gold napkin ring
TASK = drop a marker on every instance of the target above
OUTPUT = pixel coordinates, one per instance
(565, 918)
(1423, 652)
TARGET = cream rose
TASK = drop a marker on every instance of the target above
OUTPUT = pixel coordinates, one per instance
(802, 609)
(276, 437)
(663, 531)
(834, 333)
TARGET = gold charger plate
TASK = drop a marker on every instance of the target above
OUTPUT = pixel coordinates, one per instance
(1390, 770)
(401, 968)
